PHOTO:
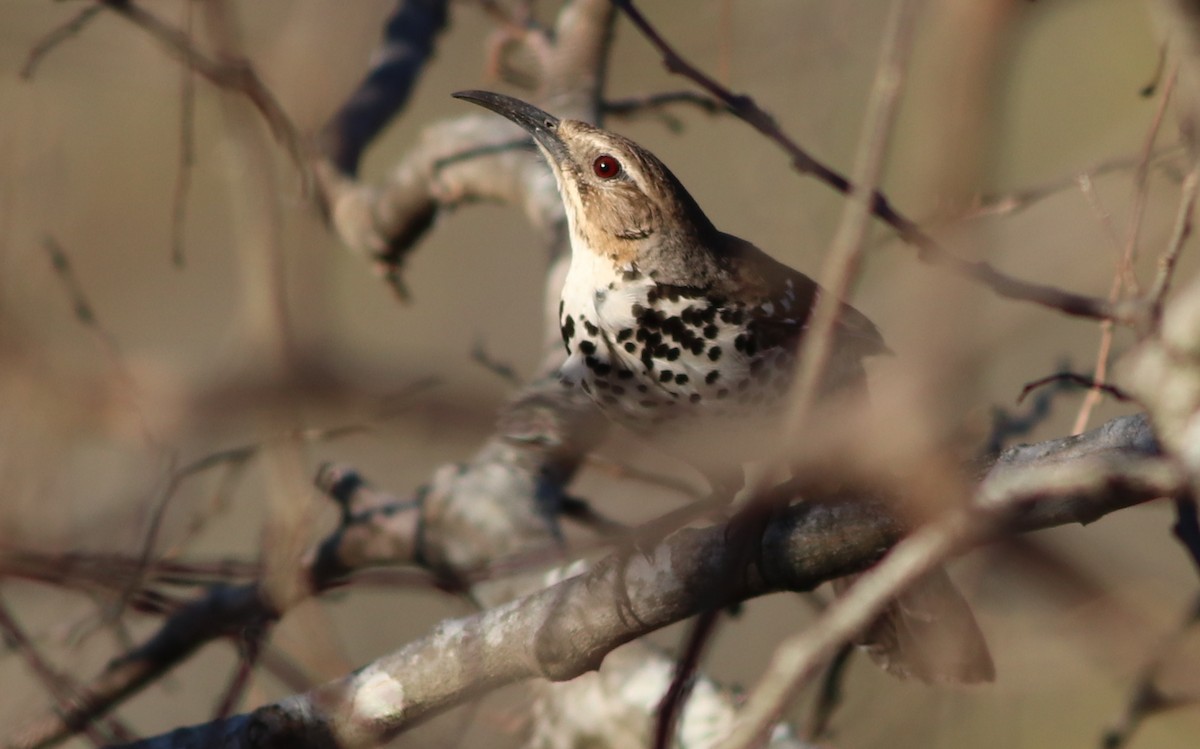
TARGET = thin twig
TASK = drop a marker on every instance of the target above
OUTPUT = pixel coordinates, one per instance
(845, 255)
(1151, 86)
(830, 695)
(619, 470)
(60, 687)
(1145, 698)
(1006, 204)
(187, 150)
(1182, 229)
(249, 643)
(1007, 426)
(1078, 379)
(72, 27)
(503, 370)
(656, 104)
(85, 313)
(1123, 268)
(1141, 182)
(669, 708)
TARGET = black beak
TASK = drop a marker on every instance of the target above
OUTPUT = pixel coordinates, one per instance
(543, 126)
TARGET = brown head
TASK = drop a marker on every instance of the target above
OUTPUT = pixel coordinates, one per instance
(621, 201)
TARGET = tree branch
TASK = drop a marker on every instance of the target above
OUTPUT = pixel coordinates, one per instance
(566, 629)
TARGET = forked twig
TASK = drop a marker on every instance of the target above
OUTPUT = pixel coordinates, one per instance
(235, 74)
(57, 36)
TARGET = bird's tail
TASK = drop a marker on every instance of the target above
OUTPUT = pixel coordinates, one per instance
(928, 633)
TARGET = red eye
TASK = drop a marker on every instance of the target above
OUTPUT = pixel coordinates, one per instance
(606, 167)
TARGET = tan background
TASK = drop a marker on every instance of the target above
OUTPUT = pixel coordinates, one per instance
(89, 152)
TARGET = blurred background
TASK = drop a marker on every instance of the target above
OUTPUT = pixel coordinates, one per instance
(1001, 97)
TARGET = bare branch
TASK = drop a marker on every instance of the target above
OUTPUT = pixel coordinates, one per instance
(929, 250)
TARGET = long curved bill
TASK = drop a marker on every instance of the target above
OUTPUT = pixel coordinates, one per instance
(543, 126)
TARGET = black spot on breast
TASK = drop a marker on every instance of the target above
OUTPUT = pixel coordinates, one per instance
(587, 347)
(630, 346)
(712, 376)
(625, 374)
(681, 379)
(710, 331)
(694, 397)
(642, 388)
(714, 353)
(665, 376)
(673, 354)
(568, 329)
(591, 329)
(697, 347)
(603, 368)
(624, 335)
(732, 316)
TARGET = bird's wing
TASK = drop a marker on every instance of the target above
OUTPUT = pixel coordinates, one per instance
(786, 298)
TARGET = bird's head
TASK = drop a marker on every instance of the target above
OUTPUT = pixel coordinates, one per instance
(621, 201)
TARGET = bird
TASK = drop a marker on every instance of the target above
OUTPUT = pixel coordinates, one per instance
(689, 336)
